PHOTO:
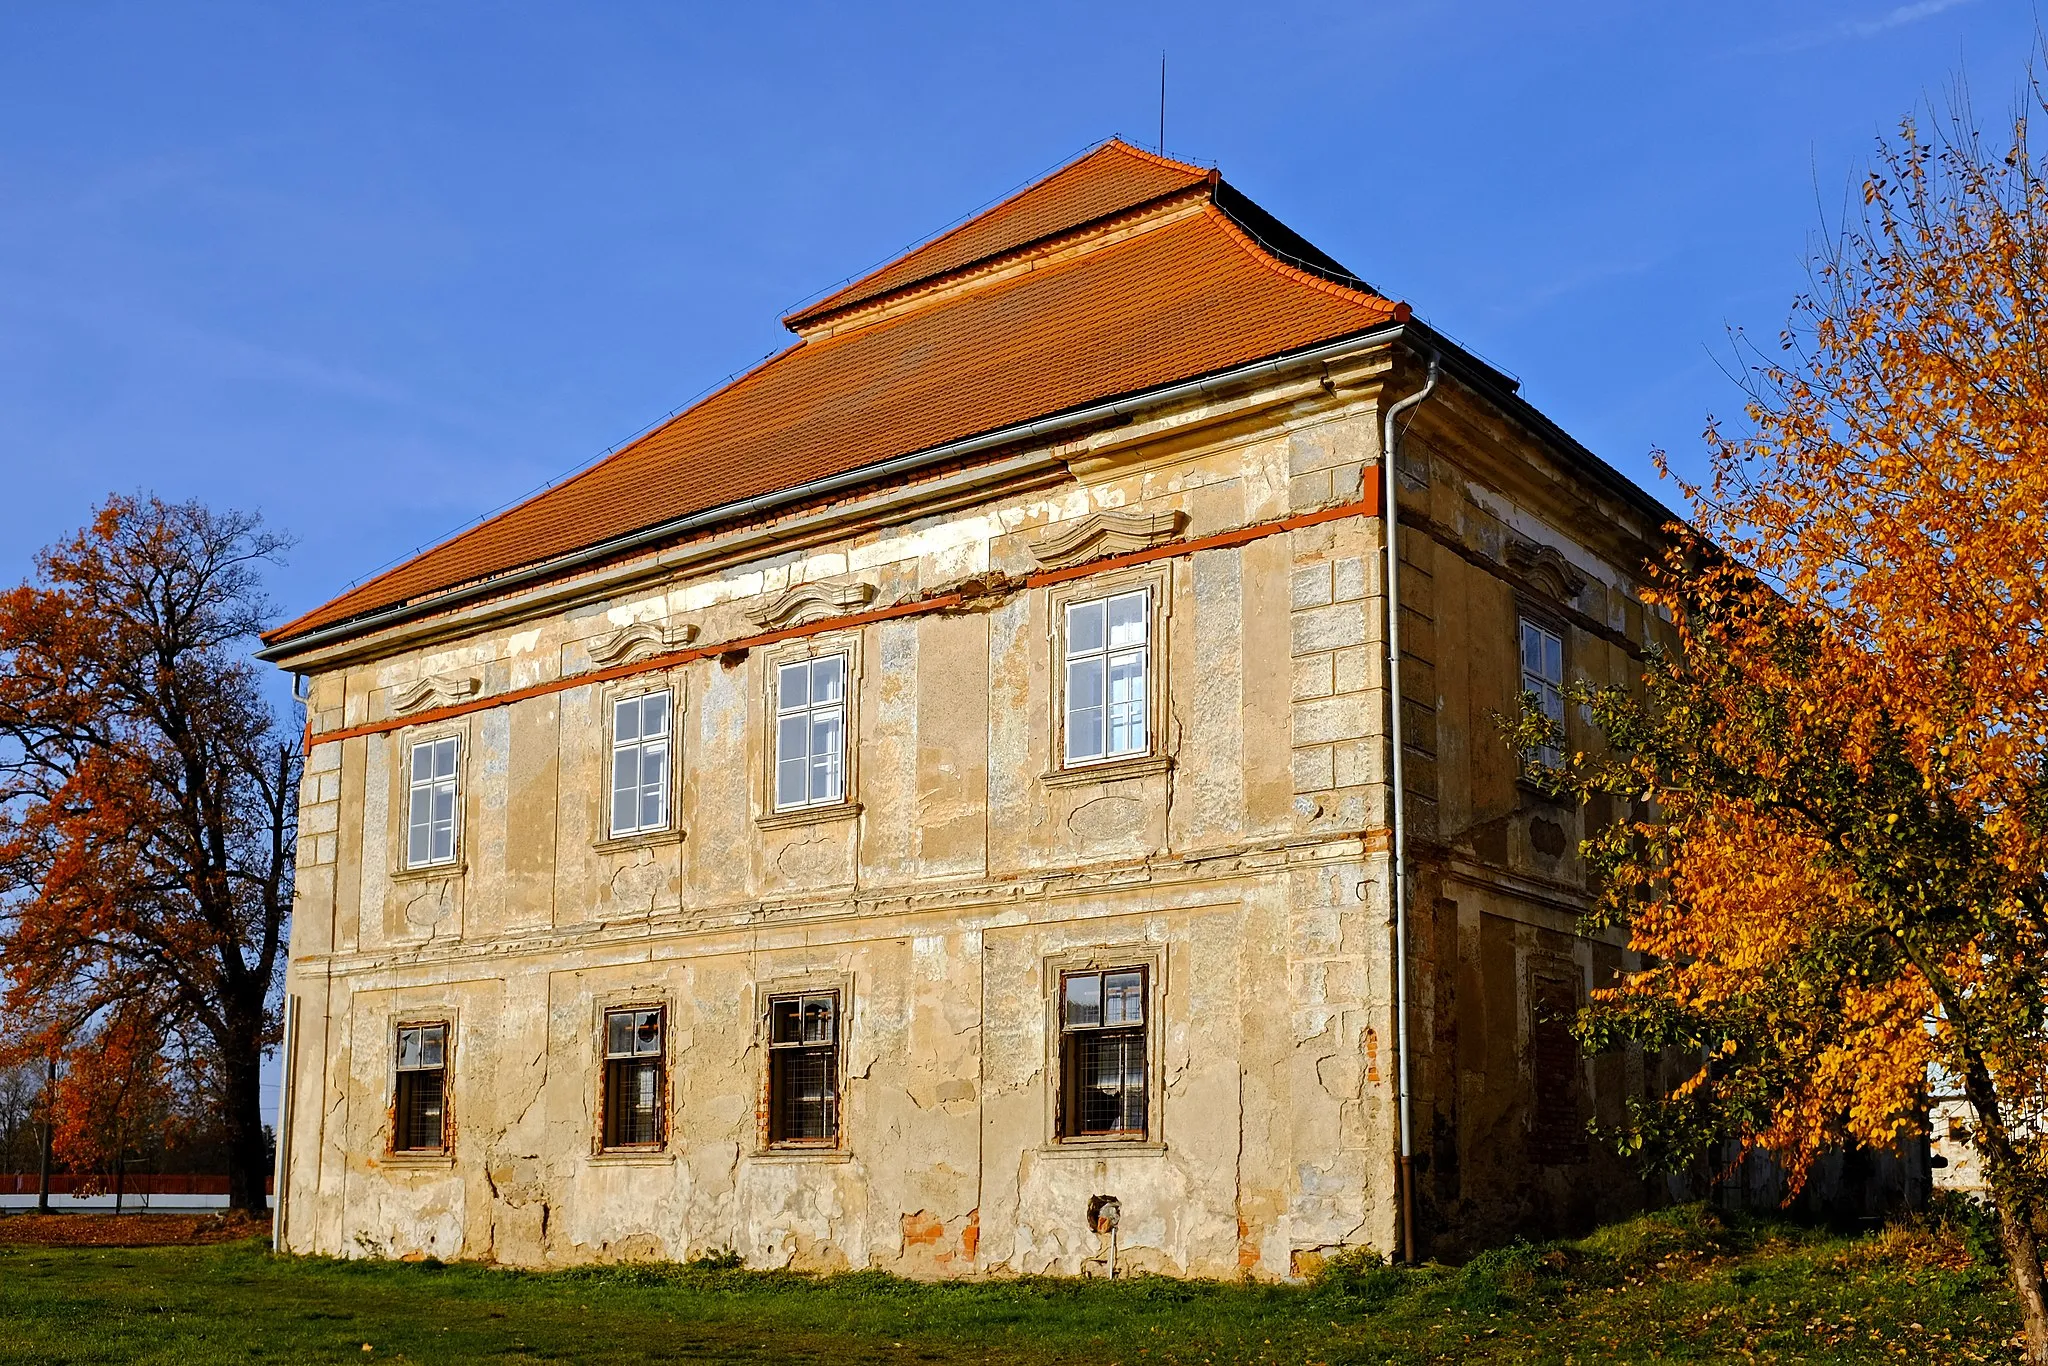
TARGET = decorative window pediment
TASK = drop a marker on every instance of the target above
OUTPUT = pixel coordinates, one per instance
(1104, 533)
(434, 692)
(808, 602)
(1545, 569)
(639, 640)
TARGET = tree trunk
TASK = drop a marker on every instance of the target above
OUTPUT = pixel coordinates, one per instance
(2015, 1208)
(242, 1118)
(49, 1136)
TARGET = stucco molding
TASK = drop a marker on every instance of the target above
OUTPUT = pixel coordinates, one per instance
(1104, 533)
(639, 640)
(434, 692)
(1545, 569)
(808, 602)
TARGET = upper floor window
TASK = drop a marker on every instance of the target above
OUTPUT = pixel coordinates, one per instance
(1102, 1054)
(1543, 675)
(632, 1078)
(803, 1068)
(810, 732)
(640, 763)
(430, 811)
(420, 1110)
(1108, 651)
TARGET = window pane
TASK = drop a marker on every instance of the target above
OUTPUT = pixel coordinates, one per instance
(818, 1025)
(444, 844)
(1532, 651)
(1553, 658)
(1084, 1001)
(625, 790)
(1084, 627)
(654, 714)
(1084, 708)
(626, 721)
(409, 1048)
(791, 781)
(654, 787)
(420, 828)
(1127, 619)
(828, 679)
(825, 754)
(784, 1020)
(422, 763)
(1123, 998)
(792, 686)
(1127, 704)
(444, 758)
(431, 1039)
(789, 738)
(647, 1033)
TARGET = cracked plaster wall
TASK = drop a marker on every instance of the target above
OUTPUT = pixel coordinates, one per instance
(1250, 871)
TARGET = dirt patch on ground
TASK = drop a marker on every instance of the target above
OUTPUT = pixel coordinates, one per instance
(129, 1230)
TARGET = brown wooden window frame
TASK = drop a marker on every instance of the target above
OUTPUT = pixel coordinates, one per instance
(798, 1056)
(413, 1097)
(630, 1058)
(1083, 1042)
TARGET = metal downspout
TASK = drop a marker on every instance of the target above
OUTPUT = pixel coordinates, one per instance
(1397, 877)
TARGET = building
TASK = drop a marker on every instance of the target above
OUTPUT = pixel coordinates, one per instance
(930, 801)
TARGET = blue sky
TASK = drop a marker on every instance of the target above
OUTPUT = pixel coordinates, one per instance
(375, 269)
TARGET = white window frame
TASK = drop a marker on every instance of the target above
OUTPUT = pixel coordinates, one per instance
(640, 746)
(1106, 655)
(811, 713)
(1548, 656)
(435, 781)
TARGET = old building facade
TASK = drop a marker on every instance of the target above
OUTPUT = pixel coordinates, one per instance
(940, 783)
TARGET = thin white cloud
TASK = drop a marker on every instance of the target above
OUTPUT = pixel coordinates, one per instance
(1853, 30)
(1904, 14)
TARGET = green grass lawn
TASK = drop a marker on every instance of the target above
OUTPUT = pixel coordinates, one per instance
(1679, 1286)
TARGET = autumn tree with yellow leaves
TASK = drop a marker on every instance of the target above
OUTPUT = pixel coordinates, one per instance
(1835, 862)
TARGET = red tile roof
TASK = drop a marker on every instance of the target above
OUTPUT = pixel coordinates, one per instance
(1188, 297)
(1106, 181)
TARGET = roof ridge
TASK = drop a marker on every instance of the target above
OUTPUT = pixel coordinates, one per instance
(823, 306)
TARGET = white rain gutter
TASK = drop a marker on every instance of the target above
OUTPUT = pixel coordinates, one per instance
(1397, 875)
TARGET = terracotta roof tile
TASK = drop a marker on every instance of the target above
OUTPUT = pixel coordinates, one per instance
(1108, 180)
(1189, 297)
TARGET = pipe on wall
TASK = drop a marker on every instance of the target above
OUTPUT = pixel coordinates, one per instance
(1397, 873)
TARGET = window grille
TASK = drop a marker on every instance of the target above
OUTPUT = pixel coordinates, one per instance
(420, 1116)
(632, 1078)
(1543, 675)
(640, 763)
(810, 733)
(430, 818)
(1103, 1054)
(1108, 654)
(803, 1069)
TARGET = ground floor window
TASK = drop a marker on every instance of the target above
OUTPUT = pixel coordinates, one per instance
(1103, 1054)
(803, 1069)
(632, 1078)
(420, 1114)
